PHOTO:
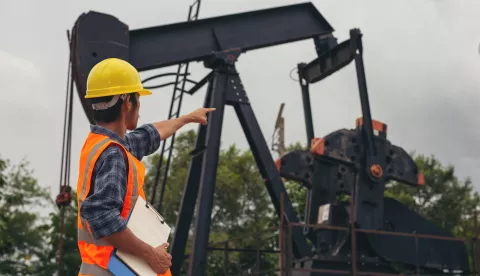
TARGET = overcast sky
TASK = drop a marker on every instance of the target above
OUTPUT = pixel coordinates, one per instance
(421, 57)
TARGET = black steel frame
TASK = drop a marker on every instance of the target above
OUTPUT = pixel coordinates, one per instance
(225, 88)
(332, 57)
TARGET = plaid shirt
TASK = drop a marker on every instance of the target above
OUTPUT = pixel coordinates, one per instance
(104, 202)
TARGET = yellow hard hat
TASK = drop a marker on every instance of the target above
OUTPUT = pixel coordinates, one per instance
(113, 76)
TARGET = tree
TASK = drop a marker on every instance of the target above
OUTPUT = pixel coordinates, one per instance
(28, 242)
(21, 230)
(71, 261)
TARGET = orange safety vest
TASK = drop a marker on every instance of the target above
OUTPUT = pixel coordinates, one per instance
(95, 253)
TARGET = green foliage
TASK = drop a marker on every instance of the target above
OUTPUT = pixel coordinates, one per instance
(21, 229)
(48, 261)
(29, 243)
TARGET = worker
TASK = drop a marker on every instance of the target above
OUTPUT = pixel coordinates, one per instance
(111, 173)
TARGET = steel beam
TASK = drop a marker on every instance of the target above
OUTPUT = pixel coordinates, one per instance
(97, 36)
(190, 193)
(197, 263)
(328, 62)
(194, 41)
(101, 35)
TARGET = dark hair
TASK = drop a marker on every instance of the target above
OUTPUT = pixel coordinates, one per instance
(111, 114)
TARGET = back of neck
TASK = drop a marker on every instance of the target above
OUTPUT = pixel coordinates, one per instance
(116, 127)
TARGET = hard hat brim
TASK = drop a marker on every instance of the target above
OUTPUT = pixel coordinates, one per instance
(141, 92)
(144, 92)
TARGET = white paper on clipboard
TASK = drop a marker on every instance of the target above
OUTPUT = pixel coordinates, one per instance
(149, 226)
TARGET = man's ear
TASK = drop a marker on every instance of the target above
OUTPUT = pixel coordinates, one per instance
(128, 102)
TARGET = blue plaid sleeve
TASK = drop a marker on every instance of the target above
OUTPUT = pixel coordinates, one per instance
(104, 203)
(143, 141)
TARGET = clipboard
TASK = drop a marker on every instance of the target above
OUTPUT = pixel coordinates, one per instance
(149, 226)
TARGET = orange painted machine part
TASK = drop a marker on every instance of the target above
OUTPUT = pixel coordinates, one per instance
(377, 125)
(420, 179)
(278, 164)
(376, 170)
(317, 146)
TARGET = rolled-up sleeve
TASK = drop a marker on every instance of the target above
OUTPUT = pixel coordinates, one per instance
(143, 141)
(103, 205)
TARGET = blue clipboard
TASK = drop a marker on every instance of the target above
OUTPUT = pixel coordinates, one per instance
(117, 267)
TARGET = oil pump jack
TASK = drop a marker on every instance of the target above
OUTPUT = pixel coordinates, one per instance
(356, 162)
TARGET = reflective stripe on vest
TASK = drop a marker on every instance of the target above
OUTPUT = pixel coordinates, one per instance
(91, 269)
(87, 166)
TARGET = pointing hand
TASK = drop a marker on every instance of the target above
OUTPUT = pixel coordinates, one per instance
(199, 115)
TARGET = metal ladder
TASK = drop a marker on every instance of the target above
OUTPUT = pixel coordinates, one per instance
(174, 112)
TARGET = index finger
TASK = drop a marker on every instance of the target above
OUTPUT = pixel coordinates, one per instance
(210, 109)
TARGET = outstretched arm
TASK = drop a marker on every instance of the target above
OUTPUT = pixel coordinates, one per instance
(145, 140)
(168, 127)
